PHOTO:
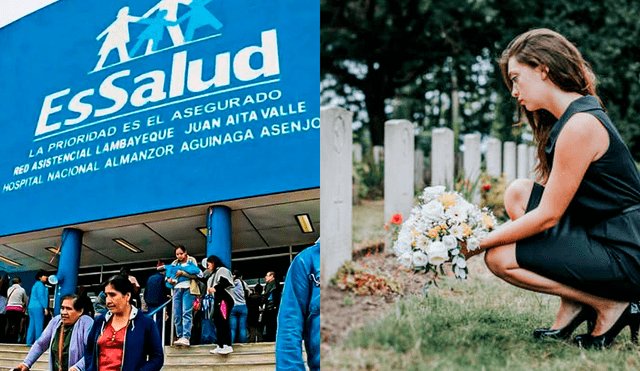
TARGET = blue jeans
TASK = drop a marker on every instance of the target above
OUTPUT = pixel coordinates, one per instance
(209, 335)
(182, 312)
(238, 323)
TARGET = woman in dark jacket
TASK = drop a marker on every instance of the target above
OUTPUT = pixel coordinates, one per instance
(220, 285)
(123, 338)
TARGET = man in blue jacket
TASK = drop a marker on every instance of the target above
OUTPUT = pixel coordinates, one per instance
(299, 316)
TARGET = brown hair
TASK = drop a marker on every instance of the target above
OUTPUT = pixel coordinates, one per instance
(566, 68)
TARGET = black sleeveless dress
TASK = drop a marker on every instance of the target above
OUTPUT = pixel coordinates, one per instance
(595, 247)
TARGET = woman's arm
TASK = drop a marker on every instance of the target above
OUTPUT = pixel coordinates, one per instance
(582, 141)
(41, 345)
(84, 322)
(43, 297)
(296, 296)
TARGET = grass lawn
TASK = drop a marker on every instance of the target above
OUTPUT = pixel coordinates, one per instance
(478, 324)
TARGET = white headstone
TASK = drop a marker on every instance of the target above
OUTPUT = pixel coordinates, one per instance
(336, 169)
(494, 157)
(418, 165)
(378, 154)
(442, 157)
(398, 168)
(357, 152)
(533, 161)
(523, 161)
(472, 160)
(509, 161)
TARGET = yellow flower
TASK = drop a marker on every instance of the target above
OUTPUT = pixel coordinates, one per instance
(443, 227)
(433, 233)
(487, 221)
(466, 231)
(447, 200)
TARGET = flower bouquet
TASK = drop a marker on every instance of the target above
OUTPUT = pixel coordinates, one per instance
(443, 227)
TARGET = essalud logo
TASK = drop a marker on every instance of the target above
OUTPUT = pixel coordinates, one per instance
(160, 18)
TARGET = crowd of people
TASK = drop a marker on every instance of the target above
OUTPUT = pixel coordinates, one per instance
(216, 302)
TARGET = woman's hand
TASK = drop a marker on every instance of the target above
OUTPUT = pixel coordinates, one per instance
(211, 290)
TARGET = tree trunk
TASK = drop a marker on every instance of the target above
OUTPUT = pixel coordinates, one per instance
(374, 100)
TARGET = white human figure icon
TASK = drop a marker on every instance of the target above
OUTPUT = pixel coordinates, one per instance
(116, 36)
(171, 7)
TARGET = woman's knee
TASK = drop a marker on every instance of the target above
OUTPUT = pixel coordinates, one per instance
(500, 259)
(516, 197)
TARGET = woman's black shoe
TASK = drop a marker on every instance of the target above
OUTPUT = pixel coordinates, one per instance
(586, 314)
(630, 317)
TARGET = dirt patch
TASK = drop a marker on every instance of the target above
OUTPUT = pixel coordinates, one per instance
(343, 311)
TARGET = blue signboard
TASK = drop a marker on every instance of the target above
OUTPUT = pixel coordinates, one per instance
(113, 108)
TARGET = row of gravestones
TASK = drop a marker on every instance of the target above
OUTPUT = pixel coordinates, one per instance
(519, 160)
(403, 169)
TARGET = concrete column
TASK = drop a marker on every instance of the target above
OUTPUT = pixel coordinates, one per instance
(357, 152)
(418, 166)
(219, 233)
(70, 249)
(336, 168)
(442, 157)
(494, 157)
(533, 161)
(398, 168)
(378, 154)
(523, 161)
(509, 161)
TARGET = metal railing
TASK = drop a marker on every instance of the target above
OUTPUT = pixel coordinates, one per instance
(154, 314)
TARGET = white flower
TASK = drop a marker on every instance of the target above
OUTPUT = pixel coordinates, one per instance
(457, 214)
(460, 262)
(459, 272)
(431, 192)
(438, 253)
(466, 206)
(422, 243)
(401, 247)
(433, 211)
(457, 231)
(472, 243)
(405, 259)
(420, 259)
(450, 242)
(455, 251)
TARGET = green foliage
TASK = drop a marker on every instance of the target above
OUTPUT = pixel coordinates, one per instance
(384, 49)
(411, 55)
(492, 191)
(369, 180)
(465, 186)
